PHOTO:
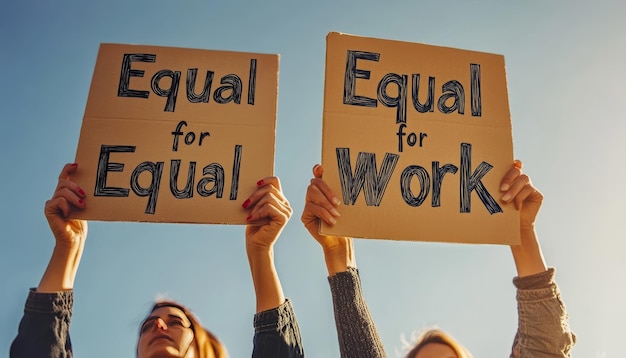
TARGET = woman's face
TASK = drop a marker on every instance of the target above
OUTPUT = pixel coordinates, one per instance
(436, 350)
(166, 332)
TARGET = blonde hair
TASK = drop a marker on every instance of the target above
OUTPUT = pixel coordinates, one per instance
(435, 335)
(206, 344)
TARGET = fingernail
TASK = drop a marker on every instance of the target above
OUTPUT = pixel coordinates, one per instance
(333, 221)
(517, 164)
(260, 182)
(74, 165)
(81, 201)
(335, 201)
(504, 187)
(246, 203)
(335, 212)
(506, 197)
(81, 191)
(249, 217)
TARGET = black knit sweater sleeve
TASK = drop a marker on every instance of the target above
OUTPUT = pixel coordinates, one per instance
(44, 328)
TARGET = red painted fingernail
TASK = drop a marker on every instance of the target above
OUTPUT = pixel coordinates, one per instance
(74, 165)
(260, 182)
(249, 217)
(81, 191)
(246, 203)
(81, 201)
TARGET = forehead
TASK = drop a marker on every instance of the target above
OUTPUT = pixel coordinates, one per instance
(436, 350)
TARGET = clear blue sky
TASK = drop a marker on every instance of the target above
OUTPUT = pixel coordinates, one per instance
(566, 73)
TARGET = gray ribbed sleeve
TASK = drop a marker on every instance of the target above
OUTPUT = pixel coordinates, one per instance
(356, 331)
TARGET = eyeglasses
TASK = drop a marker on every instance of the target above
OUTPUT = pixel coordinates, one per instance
(172, 322)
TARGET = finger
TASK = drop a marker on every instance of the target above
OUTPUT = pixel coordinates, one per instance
(263, 190)
(523, 195)
(68, 169)
(275, 181)
(328, 193)
(57, 206)
(71, 195)
(318, 197)
(318, 170)
(71, 186)
(313, 213)
(510, 175)
(272, 199)
(515, 187)
(268, 210)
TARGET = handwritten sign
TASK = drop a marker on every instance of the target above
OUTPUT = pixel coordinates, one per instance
(416, 139)
(176, 135)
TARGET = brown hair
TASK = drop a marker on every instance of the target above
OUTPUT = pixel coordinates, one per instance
(435, 335)
(206, 344)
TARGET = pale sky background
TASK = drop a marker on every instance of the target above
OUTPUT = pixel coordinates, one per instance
(565, 65)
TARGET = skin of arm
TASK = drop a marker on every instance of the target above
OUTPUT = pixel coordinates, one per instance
(543, 327)
(356, 332)
(44, 327)
(269, 212)
(69, 234)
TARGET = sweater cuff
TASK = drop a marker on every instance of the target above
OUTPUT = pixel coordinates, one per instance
(539, 280)
(55, 302)
(351, 275)
(275, 318)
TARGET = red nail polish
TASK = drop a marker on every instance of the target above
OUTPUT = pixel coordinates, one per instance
(260, 182)
(74, 165)
(81, 201)
(249, 217)
(246, 203)
(81, 192)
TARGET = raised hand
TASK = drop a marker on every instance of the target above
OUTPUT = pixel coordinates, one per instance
(269, 212)
(70, 234)
(321, 204)
(518, 188)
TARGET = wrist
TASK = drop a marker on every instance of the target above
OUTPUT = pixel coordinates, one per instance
(258, 252)
(339, 258)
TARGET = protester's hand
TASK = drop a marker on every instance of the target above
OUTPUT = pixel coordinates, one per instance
(269, 212)
(70, 234)
(321, 204)
(68, 196)
(517, 187)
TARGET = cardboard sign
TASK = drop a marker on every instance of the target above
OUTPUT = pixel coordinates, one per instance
(416, 140)
(176, 135)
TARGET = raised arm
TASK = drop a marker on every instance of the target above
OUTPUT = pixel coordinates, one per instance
(543, 327)
(277, 333)
(518, 188)
(356, 331)
(44, 328)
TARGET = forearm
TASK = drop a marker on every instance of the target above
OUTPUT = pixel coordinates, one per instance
(528, 256)
(267, 287)
(61, 270)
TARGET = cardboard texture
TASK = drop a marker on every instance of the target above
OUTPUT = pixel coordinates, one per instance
(416, 139)
(176, 135)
